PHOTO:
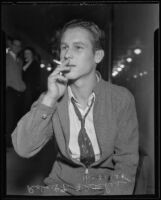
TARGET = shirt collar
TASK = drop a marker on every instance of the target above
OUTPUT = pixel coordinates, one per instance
(98, 76)
(72, 95)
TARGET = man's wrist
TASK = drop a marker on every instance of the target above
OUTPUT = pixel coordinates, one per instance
(49, 100)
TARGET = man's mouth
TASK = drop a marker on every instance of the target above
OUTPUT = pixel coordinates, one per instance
(70, 65)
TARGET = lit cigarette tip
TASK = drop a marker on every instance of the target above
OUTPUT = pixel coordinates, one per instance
(57, 62)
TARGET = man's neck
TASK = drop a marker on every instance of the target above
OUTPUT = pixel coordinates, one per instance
(83, 88)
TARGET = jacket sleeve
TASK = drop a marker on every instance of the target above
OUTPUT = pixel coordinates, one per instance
(126, 154)
(33, 130)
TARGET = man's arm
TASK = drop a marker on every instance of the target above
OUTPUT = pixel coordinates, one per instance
(126, 149)
(34, 129)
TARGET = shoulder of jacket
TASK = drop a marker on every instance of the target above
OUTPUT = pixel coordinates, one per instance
(120, 93)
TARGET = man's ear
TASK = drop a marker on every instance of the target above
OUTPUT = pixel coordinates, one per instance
(99, 54)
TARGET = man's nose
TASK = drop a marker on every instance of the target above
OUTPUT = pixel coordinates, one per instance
(68, 54)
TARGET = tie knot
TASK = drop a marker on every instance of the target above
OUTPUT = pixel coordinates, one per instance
(82, 119)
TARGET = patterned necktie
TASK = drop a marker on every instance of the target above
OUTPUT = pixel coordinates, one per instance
(87, 156)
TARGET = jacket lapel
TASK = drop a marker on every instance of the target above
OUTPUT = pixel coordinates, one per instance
(102, 129)
(96, 117)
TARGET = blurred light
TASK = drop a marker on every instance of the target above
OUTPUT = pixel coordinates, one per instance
(119, 69)
(114, 73)
(122, 66)
(49, 68)
(141, 74)
(129, 59)
(137, 51)
(42, 65)
(7, 50)
(145, 72)
(135, 76)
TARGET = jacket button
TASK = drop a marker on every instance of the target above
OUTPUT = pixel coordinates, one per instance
(44, 116)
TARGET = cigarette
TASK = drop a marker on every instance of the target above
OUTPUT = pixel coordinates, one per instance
(57, 62)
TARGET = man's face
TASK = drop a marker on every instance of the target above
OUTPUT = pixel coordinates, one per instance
(76, 46)
(16, 46)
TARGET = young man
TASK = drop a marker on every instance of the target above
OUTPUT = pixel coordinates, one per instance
(93, 121)
(14, 88)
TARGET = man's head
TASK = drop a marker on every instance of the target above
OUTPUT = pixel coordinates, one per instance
(97, 34)
(81, 44)
(16, 45)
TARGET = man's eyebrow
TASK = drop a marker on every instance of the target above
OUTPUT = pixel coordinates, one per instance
(80, 43)
(75, 43)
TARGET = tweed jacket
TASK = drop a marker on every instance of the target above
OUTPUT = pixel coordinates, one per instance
(116, 126)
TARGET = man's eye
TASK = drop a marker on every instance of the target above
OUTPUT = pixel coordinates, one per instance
(63, 47)
(78, 47)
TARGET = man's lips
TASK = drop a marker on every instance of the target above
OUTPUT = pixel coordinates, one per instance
(70, 65)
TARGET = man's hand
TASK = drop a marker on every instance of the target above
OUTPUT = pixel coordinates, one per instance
(57, 84)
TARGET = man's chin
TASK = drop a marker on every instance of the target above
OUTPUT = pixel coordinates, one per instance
(70, 76)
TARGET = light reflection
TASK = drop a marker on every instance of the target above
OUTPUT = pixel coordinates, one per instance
(145, 72)
(42, 65)
(49, 68)
(119, 69)
(7, 50)
(114, 73)
(135, 76)
(137, 51)
(129, 59)
(122, 66)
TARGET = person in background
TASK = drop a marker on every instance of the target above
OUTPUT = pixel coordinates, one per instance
(93, 121)
(31, 77)
(15, 87)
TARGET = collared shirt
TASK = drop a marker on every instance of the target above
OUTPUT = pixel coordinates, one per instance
(75, 127)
